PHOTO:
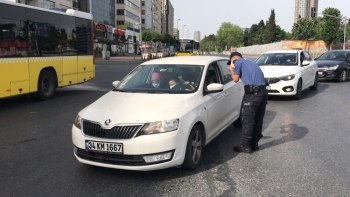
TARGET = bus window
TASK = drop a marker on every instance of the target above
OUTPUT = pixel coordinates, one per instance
(13, 42)
(68, 40)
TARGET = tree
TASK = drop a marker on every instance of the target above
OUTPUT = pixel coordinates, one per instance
(271, 28)
(155, 36)
(146, 35)
(304, 29)
(253, 34)
(260, 37)
(329, 33)
(246, 38)
(280, 34)
(230, 35)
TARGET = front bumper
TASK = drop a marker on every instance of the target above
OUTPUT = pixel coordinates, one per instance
(283, 88)
(328, 74)
(134, 150)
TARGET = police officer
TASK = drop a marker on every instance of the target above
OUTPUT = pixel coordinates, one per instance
(254, 101)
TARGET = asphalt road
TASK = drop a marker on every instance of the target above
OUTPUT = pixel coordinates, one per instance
(304, 151)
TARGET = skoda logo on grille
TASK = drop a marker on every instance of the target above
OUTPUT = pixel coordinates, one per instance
(107, 121)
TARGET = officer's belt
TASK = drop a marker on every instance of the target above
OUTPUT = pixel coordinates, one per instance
(249, 89)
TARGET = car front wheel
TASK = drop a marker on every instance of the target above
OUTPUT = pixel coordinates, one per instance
(194, 148)
(299, 89)
(342, 76)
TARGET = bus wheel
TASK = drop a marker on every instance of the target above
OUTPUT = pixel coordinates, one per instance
(46, 85)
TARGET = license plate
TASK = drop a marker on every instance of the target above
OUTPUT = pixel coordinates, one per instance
(268, 88)
(320, 73)
(103, 146)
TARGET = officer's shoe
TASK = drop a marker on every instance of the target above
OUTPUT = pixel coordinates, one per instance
(255, 147)
(243, 149)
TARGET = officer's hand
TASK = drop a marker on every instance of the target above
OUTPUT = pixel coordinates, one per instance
(229, 68)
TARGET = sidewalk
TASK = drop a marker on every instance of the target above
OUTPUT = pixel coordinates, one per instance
(121, 58)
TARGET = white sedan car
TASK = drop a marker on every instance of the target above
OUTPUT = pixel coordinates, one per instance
(160, 115)
(288, 72)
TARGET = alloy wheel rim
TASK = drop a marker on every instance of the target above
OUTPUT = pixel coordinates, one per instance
(196, 146)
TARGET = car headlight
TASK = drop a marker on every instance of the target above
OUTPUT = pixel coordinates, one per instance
(287, 78)
(335, 67)
(77, 121)
(160, 127)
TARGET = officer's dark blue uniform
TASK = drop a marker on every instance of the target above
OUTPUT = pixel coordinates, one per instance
(254, 102)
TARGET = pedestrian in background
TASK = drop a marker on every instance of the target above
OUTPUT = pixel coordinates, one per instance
(254, 101)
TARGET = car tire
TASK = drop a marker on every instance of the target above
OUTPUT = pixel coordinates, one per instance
(314, 87)
(342, 76)
(297, 96)
(238, 121)
(46, 85)
(194, 149)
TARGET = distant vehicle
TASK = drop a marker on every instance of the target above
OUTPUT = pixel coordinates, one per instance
(187, 47)
(42, 49)
(334, 65)
(146, 123)
(288, 72)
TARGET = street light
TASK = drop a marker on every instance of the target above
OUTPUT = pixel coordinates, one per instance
(343, 20)
(183, 30)
(177, 27)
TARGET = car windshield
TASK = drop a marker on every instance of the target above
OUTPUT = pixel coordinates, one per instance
(333, 55)
(172, 79)
(280, 59)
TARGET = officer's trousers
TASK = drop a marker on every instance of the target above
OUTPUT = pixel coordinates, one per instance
(254, 106)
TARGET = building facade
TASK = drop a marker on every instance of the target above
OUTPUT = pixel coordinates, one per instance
(197, 36)
(176, 33)
(168, 17)
(157, 16)
(146, 14)
(302, 8)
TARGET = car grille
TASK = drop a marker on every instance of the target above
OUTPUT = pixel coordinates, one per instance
(116, 132)
(107, 158)
(272, 80)
(273, 91)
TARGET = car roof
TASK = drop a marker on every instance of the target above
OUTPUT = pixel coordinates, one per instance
(189, 60)
(341, 50)
(283, 51)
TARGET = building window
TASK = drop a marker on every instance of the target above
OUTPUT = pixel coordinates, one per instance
(143, 3)
(120, 22)
(143, 12)
(46, 4)
(120, 12)
(143, 21)
(120, 1)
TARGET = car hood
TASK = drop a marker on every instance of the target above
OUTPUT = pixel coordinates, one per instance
(278, 71)
(136, 108)
(323, 63)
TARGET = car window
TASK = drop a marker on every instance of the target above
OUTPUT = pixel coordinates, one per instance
(226, 75)
(307, 56)
(280, 59)
(176, 79)
(333, 55)
(211, 75)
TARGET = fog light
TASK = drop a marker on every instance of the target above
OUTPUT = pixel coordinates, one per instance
(288, 89)
(158, 157)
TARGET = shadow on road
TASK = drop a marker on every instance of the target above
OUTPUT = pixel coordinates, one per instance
(292, 132)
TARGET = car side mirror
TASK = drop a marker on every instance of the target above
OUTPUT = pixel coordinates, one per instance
(305, 63)
(213, 88)
(115, 83)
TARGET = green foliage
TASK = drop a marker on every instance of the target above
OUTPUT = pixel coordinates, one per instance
(329, 33)
(230, 34)
(280, 34)
(208, 43)
(304, 29)
(271, 28)
(146, 35)
(155, 36)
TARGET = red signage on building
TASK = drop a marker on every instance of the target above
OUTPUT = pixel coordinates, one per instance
(119, 32)
(100, 27)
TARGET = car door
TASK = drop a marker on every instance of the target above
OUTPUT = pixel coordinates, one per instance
(234, 93)
(215, 104)
(303, 71)
(311, 69)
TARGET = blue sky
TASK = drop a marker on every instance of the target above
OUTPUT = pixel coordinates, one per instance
(206, 16)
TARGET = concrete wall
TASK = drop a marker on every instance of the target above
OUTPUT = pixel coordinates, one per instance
(259, 49)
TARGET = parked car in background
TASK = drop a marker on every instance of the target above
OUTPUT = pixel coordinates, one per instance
(288, 72)
(334, 64)
(160, 115)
